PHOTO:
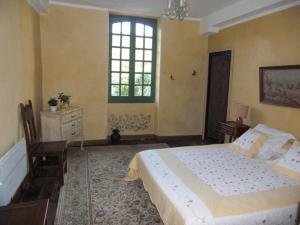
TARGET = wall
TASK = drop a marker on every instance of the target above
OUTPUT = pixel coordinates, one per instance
(75, 61)
(268, 41)
(20, 67)
(181, 101)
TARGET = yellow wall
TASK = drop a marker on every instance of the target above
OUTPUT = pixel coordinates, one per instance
(179, 104)
(180, 101)
(75, 61)
(20, 67)
(268, 41)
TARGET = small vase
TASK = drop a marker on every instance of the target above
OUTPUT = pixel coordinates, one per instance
(65, 105)
(53, 108)
(115, 137)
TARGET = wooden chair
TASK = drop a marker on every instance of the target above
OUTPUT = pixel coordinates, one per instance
(47, 160)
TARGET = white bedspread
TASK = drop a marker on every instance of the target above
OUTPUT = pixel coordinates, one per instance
(214, 185)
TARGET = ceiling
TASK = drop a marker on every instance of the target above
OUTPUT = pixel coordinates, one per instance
(197, 8)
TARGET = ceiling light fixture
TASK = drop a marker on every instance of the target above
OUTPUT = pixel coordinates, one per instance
(177, 9)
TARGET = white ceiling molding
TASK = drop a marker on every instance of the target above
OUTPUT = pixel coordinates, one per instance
(118, 12)
(214, 18)
(41, 6)
(74, 5)
(241, 12)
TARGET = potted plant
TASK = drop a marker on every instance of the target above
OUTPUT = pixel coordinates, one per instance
(53, 104)
(115, 137)
(64, 99)
(116, 126)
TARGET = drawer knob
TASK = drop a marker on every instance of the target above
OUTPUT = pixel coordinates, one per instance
(73, 125)
(73, 133)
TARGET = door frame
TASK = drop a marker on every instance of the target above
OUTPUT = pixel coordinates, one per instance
(207, 87)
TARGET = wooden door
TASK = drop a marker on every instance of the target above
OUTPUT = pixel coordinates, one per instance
(217, 92)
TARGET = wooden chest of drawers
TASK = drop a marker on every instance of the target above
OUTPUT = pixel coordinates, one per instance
(62, 125)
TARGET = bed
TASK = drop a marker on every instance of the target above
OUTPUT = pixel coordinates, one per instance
(215, 185)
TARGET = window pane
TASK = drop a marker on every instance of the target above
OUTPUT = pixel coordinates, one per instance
(148, 31)
(125, 78)
(138, 91)
(139, 42)
(125, 53)
(115, 53)
(125, 66)
(138, 67)
(148, 43)
(138, 79)
(147, 91)
(147, 67)
(132, 57)
(124, 90)
(115, 65)
(139, 54)
(148, 55)
(115, 78)
(115, 90)
(147, 78)
(116, 28)
(116, 40)
(139, 29)
(125, 41)
(126, 28)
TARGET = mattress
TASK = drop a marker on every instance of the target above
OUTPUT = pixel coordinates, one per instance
(214, 185)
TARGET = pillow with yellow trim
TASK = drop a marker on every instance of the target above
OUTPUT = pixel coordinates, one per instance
(249, 143)
(290, 162)
(274, 147)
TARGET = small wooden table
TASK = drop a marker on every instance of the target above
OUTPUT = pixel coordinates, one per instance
(232, 130)
(27, 213)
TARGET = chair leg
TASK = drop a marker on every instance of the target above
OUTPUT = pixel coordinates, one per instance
(66, 166)
(61, 169)
(65, 160)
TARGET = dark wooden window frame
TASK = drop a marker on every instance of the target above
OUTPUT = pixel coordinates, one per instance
(131, 98)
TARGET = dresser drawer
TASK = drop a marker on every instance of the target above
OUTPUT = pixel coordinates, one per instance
(71, 135)
(71, 116)
(71, 126)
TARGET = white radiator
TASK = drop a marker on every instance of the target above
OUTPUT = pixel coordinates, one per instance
(13, 169)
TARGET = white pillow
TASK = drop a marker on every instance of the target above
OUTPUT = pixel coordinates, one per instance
(249, 143)
(290, 163)
(273, 148)
(272, 131)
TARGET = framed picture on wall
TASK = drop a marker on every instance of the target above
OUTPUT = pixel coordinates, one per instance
(280, 85)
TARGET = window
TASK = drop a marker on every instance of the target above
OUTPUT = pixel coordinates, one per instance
(132, 59)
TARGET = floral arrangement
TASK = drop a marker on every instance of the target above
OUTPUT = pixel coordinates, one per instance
(64, 99)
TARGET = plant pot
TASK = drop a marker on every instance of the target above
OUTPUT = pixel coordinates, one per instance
(115, 137)
(53, 108)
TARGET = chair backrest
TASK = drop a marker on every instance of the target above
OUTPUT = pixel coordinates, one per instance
(29, 125)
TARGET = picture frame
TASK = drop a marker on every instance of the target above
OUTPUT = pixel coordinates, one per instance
(280, 85)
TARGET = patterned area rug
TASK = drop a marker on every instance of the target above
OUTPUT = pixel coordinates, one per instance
(95, 191)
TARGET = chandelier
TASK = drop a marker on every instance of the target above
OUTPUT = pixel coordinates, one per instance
(177, 9)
